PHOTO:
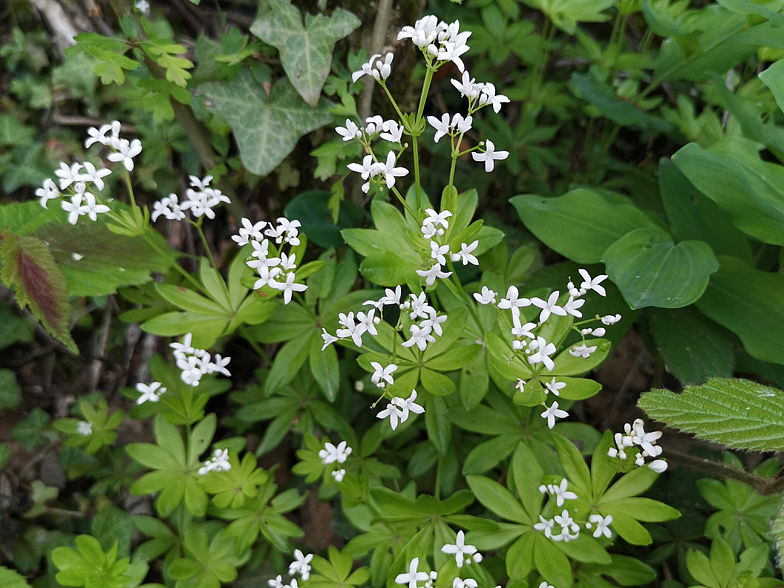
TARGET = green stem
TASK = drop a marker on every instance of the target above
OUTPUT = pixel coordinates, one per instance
(397, 193)
(417, 189)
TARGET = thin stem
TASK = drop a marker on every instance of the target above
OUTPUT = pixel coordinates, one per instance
(397, 193)
(203, 238)
(130, 186)
(417, 189)
(762, 486)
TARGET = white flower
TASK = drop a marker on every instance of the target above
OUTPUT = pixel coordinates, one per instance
(276, 582)
(545, 525)
(376, 67)
(355, 331)
(126, 151)
(184, 347)
(413, 576)
(288, 287)
(394, 132)
(465, 254)
(97, 136)
(301, 564)
(47, 192)
(434, 322)
(463, 125)
(555, 388)
(331, 453)
(467, 583)
(592, 283)
(460, 549)
(550, 306)
(369, 321)
(466, 87)
(611, 319)
(382, 373)
(328, 339)
(419, 307)
(91, 208)
(350, 131)
(68, 174)
(267, 276)
(391, 296)
(490, 155)
(219, 462)
(543, 352)
(562, 492)
(520, 330)
(219, 365)
(249, 231)
(486, 297)
(520, 385)
(84, 428)
(408, 405)
(366, 170)
(191, 370)
(582, 351)
(338, 475)
(553, 412)
(437, 218)
(419, 337)
(390, 171)
(545, 585)
(442, 126)
(94, 175)
(393, 412)
(489, 96)
(658, 465)
(143, 6)
(150, 393)
(452, 50)
(513, 302)
(602, 525)
(433, 273)
(374, 124)
(439, 252)
(200, 184)
(73, 208)
(572, 306)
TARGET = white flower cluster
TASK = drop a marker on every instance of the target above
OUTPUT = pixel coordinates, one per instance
(219, 462)
(399, 409)
(561, 492)
(277, 582)
(371, 168)
(535, 348)
(635, 435)
(151, 393)
(414, 576)
(376, 67)
(84, 428)
(433, 227)
(438, 40)
(276, 272)
(200, 201)
(570, 530)
(76, 176)
(331, 454)
(194, 363)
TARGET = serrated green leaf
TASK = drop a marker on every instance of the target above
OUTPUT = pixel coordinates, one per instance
(738, 413)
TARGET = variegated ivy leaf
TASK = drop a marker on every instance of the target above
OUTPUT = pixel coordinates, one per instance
(267, 128)
(305, 49)
(738, 413)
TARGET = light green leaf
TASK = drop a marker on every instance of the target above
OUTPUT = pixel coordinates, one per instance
(582, 223)
(738, 413)
(565, 14)
(650, 270)
(750, 303)
(305, 50)
(266, 128)
(12, 579)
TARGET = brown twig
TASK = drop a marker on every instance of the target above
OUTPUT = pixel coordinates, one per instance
(762, 486)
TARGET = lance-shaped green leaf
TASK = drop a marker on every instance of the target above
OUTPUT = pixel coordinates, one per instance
(29, 267)
(305, 49)
(266, 128)
(650, 270)
(738, 413)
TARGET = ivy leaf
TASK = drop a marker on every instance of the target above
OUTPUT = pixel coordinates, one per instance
(266, 128)
(738, 413)
(12, 132)
(305, 50)
(29, 266)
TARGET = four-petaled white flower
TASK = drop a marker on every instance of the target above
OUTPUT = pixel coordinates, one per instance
(611, 319)
(94, 175)
(73, 208)
(301, 564)
(543, 351)
(433, 273)
(513, 302)
(592, 283)
(331, 453)
(437, 218)
(460, 549)
(150, 393)
(68, 174)
(413, 576)
(549, 306)
(490, 155)
(420, 336)
(390, 171)
(383, 375)
(545, 525)
(562, 492)
(487, 296)
(328, 339)
(554, 387)
(442, 126)
(126, 151)
(553, 412)
(288, 287)
(408, 405)
(602, 525)
(465, 254)
(47, 192)
(219, 462)
(393, 412)
(91, 208)
(84, 428)
(350, 131)
(582, 351)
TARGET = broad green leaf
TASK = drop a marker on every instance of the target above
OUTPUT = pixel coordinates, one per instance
(113, 526)
(30, 268)
(551, 561)
(693, 347)
(565, 14)
(266, 128)
(487, 454)
(567, 364)
(773, 78)
(305, 50)
(497, 499)
(737, 413)
(748, 189)
(582, 223)
(324, 367)
(12, 579)
(692, 216)
(750, 303)
(650, 270)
